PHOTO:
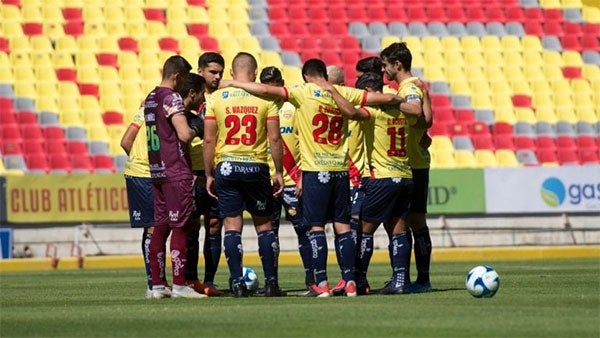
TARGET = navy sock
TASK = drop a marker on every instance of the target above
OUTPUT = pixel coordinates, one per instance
(234, 253)
(348, 255)
(400, 249)
(146, 237)
(355, 229)
(338, 253)
(365, 252)
(423, 255)
(305, 251)
(212, 255)
(318, 243)
(409, 238)
(268, 250)
(191, 268)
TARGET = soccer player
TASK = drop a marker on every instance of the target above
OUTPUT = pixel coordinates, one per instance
(397, 61)
(238, 127)
(292, 174)
(323, 128)
(210, 67)
(139, 187)
(335, 75)
(388, 191)
(371, 64)
(168, 132)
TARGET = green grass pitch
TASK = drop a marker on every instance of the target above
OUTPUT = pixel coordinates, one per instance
(537, 298)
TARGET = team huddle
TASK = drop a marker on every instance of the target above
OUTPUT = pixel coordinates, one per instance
(327, 153)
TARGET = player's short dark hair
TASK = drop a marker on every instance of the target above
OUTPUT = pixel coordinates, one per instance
(176, 64)
(271, 74)
(210, 57)
(244, 60)
(315, 68)
(369, 64)
(193, 81)
(398, 51)
(371, 80)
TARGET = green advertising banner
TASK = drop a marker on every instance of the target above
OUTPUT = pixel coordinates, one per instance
(456, 191)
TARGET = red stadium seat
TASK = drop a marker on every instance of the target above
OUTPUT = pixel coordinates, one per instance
(299, 30)
(349, 58)
(11, 147)
(357, 13)
(586, 141)
(7, 117)
(331, 57)
(444, 115)
(553, 28)
(504, 141)
(208, 43)
(26, 117)
(72, 14)
(566, 142)
(416, 14)
(495, 13)
(32, 132)
(482, 142)
(439, 128)
(524, 142)
(590, 42)
(66, 74)
(463, 115)
(37, 162)
(533, 28)
(572, 28)
(54, 133)
(33, 28)
(318, 28)
(103, 163)
(112, 117)
(436, 13)
(81, 163)
(4, 45)
(107, 59)
(198, 29)
(572, 72)
(59, 162)
(459, 128)
(397, 14)
(155, 14)
(553, 15)
(129, 44)
(515, 13)
(77, 148)
(567, 157)
(571, 42)
(534, 14)
(56, 147)
(329, 43)
(298, 12)
(475, 13)
(546, 156)
(289, 43)
(588, 156)
(456, 14)
(379, 14)
(440, 101)
(545, 142)
(279, 29)
(520, 100)
(33, 148)
(591, 28)
(169, 44)
(318, 14)
(277, 13)
(74, 28)
(480, 128)
(502, 128)
(10, 132)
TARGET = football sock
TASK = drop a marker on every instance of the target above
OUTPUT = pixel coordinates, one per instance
(193, 248)
(232, 241)
(268, 250)
(146, 237)
(347, 254)
(179, 242)
(400, 249)
(423, 255)
(157, 254)
(338, 253)
(409, 238)
(354, 228)
(365, 253)
(305, 251)
(318, 243)
(212, 255)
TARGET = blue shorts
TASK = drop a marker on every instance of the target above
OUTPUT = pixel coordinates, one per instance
(140, 200)
(242, 186)
(205, 204)
(386, 198)
(357, 195)
(418, 201)
(325, 196)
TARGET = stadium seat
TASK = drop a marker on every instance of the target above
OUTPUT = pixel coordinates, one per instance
(465, 159)
(485, 158)
(506, 158)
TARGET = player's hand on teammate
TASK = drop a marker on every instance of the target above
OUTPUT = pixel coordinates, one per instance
(225, 83)
(277, 184)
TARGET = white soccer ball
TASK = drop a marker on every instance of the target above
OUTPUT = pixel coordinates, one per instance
(482, 281)
(250, 278)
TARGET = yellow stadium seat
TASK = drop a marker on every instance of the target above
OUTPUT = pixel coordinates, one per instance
(62, 59)
(431, 44)
(156, 29)
(550, 3)
(493, 58)
(250, 44)
(151, 72)
(418, 60)
(219, 31)
(546, 114)
(500, 88)
(239, 29)
(12, 29)
(502, 100)
(239, 13)
(19, 44)
(443, 159)
(561, 86)
(52, 12)
(581, 86)
(115, 29)
(572, 58)
(491, 44)
(6, 74)
(413, 43)
(114, 13)
(53, 30)
(177, 14)
(471, 43)
(583, 100)
(47, 104)
(127, 59)
(66, 43)
(451, 44)
(87, 43)
(69, 104)
(163, 56)
(149, 58)
(479, 87)
(20, 59)
(571, 3)
(11, 13)
(41, 43)
(92, 119)
(85, 58)
(506, 158)
(520, 86)
(434, 73)
(292, 75)
(566, 114)
(473, 58)
(511, 43)
(514, 72)
(454, 58)
(176, 29)
(198, 13)
(134, 14)
(24, 88)
(525, 115)
(41, 59)
(109, 74)
(563, 100)
(552, 58)
(94, 29)
(513, 58)
(111, 103)
(68, 89)
(218, 14)
(541, 87)
(89, 104)
(156, 3)
(590, 72)
(387, 40)
(586, 114)
(108, 44)
(590, 13)
(189, 44)
(465, 159)
(92, 13)
(481, 101)
(494, 73)
(31, 13)
(270, 58)
(433, 59)
(441, 143)
(136, 29)
(460, 87)
(70, 117)
(505, 115)
(485, 158)
(149, 44)
(24, 75)
(531, 43)
(97, 132)
(107, 89)
(45, 75)
(474, 72)
(177, 4)
(533, 72)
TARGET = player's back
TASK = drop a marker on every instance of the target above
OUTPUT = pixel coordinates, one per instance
(137, 161)
(419, 157)
(242, 125)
